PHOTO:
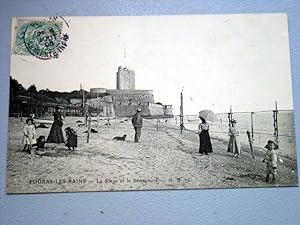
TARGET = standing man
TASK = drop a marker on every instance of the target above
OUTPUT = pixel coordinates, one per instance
(137, 123)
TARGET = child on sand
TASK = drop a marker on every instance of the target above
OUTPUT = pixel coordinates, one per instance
(271, 159)
(29, 136)
(71, 141)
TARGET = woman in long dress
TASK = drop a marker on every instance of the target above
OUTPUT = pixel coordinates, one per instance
(205, 143)
(234, 145)
(56, 132)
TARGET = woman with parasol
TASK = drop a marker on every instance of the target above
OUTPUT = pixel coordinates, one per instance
(203, 128)
(205, 143)
(56, 132)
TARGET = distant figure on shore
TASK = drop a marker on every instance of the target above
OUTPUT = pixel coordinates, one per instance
(56, 132)
(137, 123)
(234, 145)
(271, 158)
(205, 143)
(29, 136)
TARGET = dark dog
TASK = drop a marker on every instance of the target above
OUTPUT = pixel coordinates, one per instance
(71, 141)
(120, 138)
(92, 131)
(40, 142)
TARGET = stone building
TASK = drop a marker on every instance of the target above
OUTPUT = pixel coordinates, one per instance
(125, 99)
(102, 106)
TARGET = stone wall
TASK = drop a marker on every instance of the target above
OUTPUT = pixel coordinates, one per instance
(155, 110)
(101, 106)
(168, 110)
(148, 109)
(133, 96)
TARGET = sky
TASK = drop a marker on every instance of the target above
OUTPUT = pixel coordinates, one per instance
(242, 60)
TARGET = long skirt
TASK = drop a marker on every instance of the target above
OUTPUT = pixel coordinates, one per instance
(234, 145)
(56, 134)
(205, 143)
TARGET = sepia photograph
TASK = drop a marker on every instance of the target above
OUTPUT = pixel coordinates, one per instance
(123, 103)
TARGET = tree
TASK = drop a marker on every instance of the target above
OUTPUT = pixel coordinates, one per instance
(15, 87)
(32, 89)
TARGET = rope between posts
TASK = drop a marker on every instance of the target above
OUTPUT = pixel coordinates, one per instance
(153, 125)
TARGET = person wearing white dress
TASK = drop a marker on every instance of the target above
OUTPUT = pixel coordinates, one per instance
(234, 145)
(29, 137)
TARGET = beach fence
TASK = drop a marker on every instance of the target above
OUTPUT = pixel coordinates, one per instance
(260, 124)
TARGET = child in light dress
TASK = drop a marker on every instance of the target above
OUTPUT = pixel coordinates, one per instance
(271, 158)
(29, 137)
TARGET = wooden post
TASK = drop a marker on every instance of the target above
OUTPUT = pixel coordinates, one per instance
(252, 129)
(231, 114)
(230, 117)
(157, 124)
(108, 114)
(85, 113)
(250, 143)
(181, 113)
(89, 130)
(275, 123)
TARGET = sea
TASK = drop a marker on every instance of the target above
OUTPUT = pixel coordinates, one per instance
(263, 128)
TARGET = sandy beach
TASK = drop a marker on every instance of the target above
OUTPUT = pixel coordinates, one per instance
(164, 159)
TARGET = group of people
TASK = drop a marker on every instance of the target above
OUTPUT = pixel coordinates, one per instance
(55, 135)
(205, 147)
(271, 156)
(56, 132)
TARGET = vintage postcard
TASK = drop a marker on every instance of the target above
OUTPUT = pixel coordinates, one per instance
(150, 103)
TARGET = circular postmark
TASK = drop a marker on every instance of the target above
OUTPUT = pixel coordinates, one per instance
(42, 39)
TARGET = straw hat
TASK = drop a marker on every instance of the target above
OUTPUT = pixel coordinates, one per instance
(272, 142)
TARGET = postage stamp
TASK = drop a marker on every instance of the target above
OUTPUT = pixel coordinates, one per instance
(41, 39)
